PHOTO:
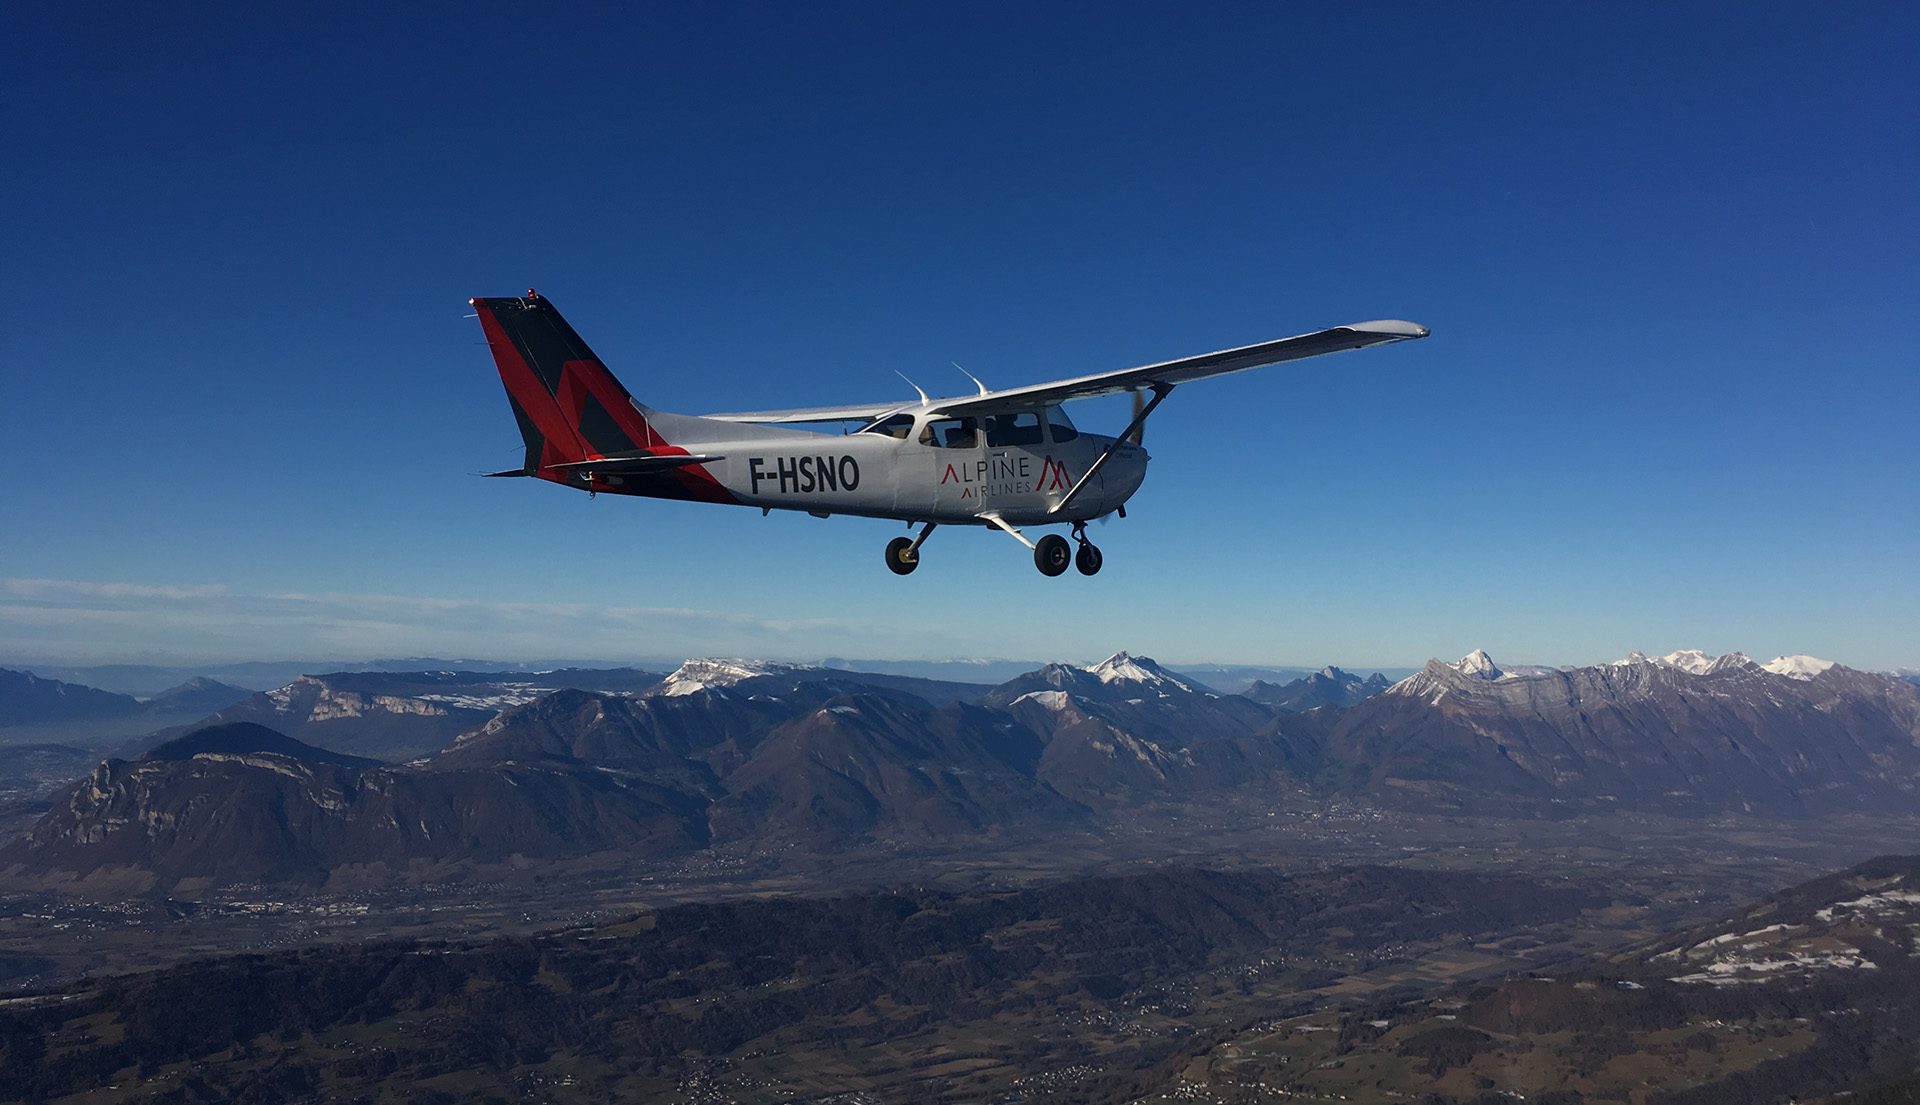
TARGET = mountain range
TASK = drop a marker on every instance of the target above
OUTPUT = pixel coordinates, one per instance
(1327, 687)
(1688, 737)
(28, 700)
(575, 763)
(403, 715)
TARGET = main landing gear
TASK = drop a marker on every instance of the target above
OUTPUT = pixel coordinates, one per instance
(902, 557)
(903, 554)
(1051, 554)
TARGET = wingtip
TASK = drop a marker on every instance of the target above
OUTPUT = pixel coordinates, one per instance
(1399, 328)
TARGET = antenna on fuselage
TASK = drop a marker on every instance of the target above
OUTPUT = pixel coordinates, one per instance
(970, 376)
(914, 386)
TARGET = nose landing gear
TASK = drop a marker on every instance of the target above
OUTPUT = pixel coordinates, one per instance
(1087, 558)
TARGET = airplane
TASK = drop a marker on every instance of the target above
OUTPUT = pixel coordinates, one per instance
(1007, 459)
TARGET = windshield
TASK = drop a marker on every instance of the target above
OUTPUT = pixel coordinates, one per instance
(1061, 425)
(893, 425)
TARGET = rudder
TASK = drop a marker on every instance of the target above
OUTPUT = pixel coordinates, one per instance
(568, 406)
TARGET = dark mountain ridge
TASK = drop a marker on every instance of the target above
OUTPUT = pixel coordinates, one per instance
(242, 803)
(243, 737)
(26, 699)
(1327, 687)
(569, 774)
(199, 695)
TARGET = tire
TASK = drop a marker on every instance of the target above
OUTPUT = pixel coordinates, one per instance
(1088, 559)
(1052, 555)
(902, 557)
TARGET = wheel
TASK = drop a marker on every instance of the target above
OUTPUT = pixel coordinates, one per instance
(902, 557)
(1088, 559)
(1051, 555)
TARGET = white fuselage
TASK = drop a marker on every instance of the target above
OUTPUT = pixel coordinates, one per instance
(881, 475)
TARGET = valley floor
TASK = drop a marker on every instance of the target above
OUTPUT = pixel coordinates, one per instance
(1665, 872)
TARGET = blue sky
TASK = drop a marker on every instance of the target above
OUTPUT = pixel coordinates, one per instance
(1669, 260)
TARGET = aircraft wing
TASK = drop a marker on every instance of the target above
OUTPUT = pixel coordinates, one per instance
(1339, 339)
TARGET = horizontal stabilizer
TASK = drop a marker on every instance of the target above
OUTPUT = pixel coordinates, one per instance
(635, 466)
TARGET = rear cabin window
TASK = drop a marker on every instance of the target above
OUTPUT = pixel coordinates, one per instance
(1022, 428)
(1061, 426)
(951, 433)
(894, 425)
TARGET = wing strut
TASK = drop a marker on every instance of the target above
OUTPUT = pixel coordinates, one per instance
(1160, 391)
(993, 517)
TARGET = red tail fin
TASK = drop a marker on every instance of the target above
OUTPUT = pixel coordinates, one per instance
(571, 409)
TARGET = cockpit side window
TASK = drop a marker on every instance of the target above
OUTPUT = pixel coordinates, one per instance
(1060, 426)
(893, 425)
(1018, 428)
(951, 433)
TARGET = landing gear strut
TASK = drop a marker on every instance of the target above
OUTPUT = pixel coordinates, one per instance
(1087, 558)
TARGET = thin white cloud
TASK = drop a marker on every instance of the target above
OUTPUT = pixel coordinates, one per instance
(77, 621)
(54, 590)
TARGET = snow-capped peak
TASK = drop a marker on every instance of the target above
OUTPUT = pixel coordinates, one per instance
(698, 675)
(1121, 667)
(1797, 667)
(1689, 660)
(1478, 664)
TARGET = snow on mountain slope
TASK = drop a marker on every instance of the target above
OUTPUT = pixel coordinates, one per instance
(695, 676)
(1121, 667)
(1690, 660)
(1797, 667)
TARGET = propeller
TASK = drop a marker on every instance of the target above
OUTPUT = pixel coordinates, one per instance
(1140, 430)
